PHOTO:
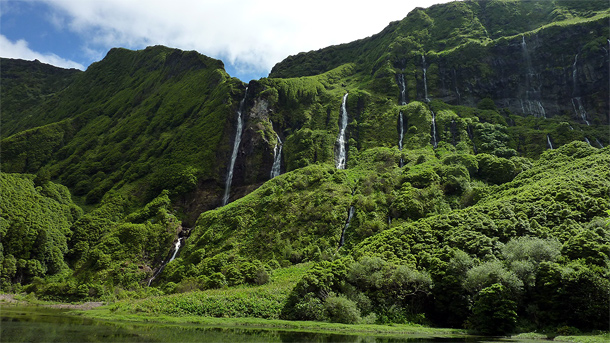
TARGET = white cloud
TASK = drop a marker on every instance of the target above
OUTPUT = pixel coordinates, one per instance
(250, 34)
(20, 49)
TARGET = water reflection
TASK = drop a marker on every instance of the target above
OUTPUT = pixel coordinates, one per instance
(33, 324)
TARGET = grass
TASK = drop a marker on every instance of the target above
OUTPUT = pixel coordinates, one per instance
(320, 327)
(241, 303)
(265, 301)
(585, 338)
(596, 337)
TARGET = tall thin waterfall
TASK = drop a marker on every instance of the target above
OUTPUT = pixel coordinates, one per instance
(434, 142)
(238, 132)
(599, 143)
(423, 61)
(532, 93)
(341, 156)
(587, 140)
(163, 263)
(403, 89)
(471, 136)
(528, 63)
(548, 142)
(277, 157)
(574, 71)
(350, 214)
(402, 132)
(456, 87)
(579, 109)
(176, 248)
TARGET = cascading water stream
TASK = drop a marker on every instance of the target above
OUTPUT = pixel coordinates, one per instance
(341, 157)
(238, 132)
(471, 136)
(533, 102)
(423, 60)
(587, 140)
(579, 109)
(277, 157)
(434, 142)
(402, 131)
(599, 143)
(528, 63)
(403, 89)
(548, 142)
(350, 214)
(574, 70)
(177, 246)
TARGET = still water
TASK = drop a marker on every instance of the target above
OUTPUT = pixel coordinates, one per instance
(36, 324)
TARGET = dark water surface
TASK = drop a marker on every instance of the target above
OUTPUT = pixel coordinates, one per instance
(40, 324)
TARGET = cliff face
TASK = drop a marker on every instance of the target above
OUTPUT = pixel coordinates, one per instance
(553, 72)
(521, 54)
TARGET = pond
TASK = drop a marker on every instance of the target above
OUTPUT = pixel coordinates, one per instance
(43, 324)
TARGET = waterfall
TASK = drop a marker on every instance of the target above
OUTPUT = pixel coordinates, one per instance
(350, 214)
(341, 157)
(277, 157)
(176, 248)
(402, 131)
(434, 142)
(528, 61)
(587, 140)
(403, 89)
(575, 84)
(456, 87)
(579, 109)
(471, 136)
(599, 143)
(533, 103)
(163, 263)
(423, 61)
(548, 141)
(225, 199)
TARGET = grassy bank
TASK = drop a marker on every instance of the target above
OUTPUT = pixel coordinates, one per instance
(244, 301)
(276, 324)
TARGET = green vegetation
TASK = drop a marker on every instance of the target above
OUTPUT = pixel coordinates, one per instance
(492, 217)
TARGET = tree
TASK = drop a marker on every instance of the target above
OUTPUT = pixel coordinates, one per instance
(493, 313)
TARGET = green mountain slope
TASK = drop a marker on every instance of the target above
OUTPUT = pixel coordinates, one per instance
(35, 225)
(24, 86)
(155, 119)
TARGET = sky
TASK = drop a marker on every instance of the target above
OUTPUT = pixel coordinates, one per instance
(249, 36)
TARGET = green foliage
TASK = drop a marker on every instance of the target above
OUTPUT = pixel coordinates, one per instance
(342, 310)
(487, 227)
(156, 115)
(494, 313)
(35, 227)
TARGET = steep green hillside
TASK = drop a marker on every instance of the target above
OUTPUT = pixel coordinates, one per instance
(36, 217)
(442, 27)
(532, 57)
(24, 86)
(148, 120)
